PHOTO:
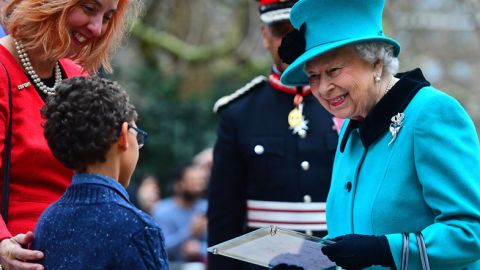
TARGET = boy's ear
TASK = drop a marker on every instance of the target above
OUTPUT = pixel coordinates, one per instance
(123, 137)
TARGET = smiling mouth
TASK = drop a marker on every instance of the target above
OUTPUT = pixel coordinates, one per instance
(80, 38)
(338, 100)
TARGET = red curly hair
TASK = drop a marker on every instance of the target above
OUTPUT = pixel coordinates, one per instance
(41, 24)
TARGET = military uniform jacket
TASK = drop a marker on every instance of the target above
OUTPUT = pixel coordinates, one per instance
(425, 179)
(256, 157)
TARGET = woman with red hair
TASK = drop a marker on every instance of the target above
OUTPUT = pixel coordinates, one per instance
(48, 41)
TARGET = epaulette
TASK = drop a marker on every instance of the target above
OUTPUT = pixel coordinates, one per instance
(228, 98)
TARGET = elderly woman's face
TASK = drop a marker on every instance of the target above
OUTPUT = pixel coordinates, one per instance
(343, 83)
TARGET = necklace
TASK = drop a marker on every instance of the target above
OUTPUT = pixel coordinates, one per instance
(389, 85)
(27, 67)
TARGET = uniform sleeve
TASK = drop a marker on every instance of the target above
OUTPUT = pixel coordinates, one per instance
(226, 194)
(446, 152)
(145, 251)
(4, 113)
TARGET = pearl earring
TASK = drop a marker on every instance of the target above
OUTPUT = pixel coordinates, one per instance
(377, 79)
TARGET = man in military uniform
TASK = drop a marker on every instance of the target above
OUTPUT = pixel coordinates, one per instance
(274, 152)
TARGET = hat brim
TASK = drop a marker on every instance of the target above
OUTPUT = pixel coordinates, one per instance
(294, 74)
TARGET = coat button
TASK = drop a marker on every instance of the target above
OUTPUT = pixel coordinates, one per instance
(349, 186)
(259, 149)
(305, 165)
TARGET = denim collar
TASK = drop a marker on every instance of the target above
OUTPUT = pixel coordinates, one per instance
(395, 101)
(102, 180)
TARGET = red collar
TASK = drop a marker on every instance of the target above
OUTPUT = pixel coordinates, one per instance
(274, 80)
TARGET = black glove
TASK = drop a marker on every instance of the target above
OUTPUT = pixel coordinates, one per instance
(285, 266)
(355, 251)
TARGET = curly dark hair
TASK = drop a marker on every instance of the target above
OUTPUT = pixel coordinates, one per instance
(83, 118)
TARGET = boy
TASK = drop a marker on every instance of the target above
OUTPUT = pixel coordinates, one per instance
(90, 127)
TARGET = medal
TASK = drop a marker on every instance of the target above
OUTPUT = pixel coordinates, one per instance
(296, 120)
(294, 117)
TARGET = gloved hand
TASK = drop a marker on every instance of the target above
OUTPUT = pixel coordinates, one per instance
(284, 266)
(355, 251)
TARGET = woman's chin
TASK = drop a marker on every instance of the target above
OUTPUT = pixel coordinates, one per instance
(340, 112)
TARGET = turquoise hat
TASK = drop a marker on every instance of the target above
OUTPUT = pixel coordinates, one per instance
(329, 24)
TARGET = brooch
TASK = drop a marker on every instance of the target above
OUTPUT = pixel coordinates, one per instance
(396, 125)
(23, 85)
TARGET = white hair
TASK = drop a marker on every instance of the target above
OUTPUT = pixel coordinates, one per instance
(372, 51)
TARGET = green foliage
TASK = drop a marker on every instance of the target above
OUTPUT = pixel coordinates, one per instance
(177, 128)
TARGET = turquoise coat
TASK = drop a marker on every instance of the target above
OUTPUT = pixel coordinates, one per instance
(427, 179)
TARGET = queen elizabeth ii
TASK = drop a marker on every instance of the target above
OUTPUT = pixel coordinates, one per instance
(408, 158)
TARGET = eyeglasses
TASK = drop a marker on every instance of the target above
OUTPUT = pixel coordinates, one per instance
(141, 136)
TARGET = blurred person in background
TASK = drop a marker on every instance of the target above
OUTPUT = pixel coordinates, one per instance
(273, 157)
(144, 192)
(48, 41)
(204, 160)
(182, 216)
(148, 193)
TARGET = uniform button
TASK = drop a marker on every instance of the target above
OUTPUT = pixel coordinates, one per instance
(349, 186)
(307, 199)
(305, 165)
(259, 149)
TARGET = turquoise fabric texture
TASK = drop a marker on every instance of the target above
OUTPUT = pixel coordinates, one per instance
(427, 179)
(329, 24)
